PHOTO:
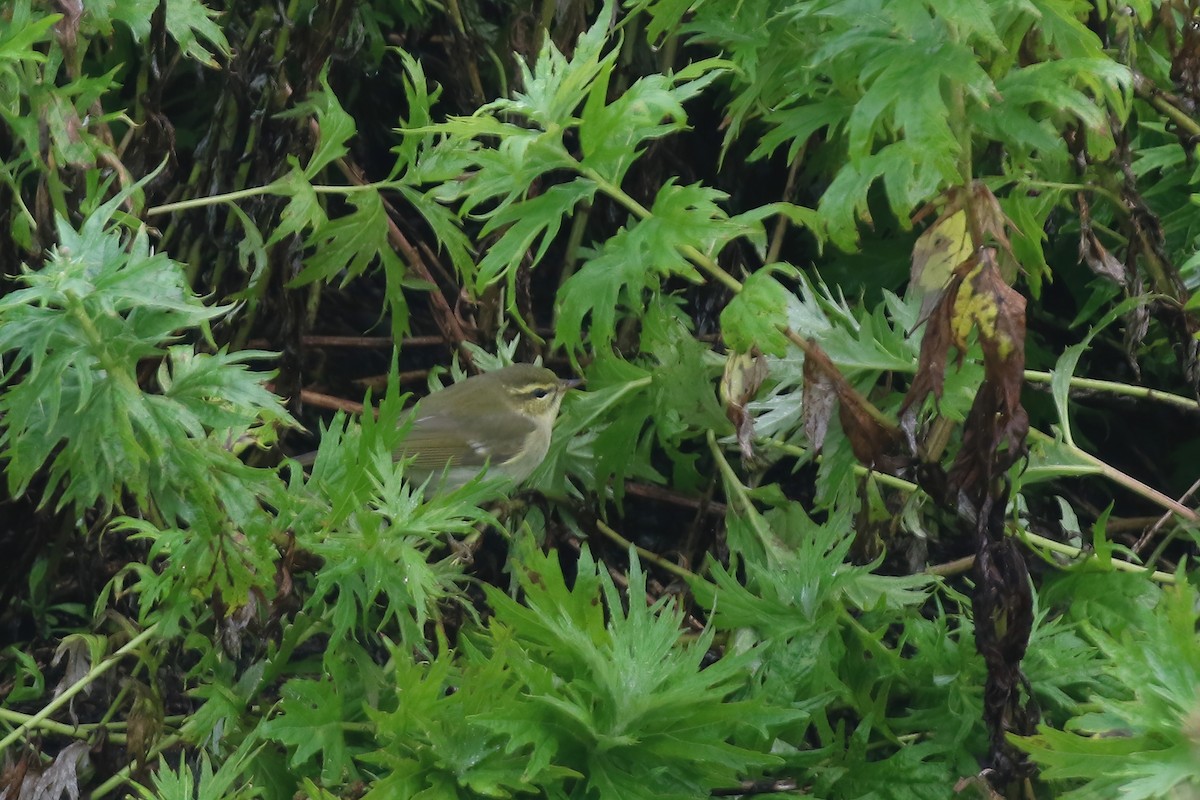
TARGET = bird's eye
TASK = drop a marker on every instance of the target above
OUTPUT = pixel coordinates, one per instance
(540, 393)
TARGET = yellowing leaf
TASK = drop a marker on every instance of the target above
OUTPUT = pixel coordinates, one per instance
(936, 254)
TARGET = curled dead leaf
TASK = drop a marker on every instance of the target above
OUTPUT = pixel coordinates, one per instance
(1099, 259)
(874, 443)
(818, 401)
(743, 377)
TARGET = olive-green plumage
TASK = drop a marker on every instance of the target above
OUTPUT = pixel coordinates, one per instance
(502, 419)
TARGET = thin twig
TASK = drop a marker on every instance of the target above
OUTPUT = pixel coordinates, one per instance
(647, 555)
(956, 567)
(1157, 526)
(664, 495)
(329, 401)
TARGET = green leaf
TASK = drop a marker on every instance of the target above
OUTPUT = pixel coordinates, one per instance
(303, 211)
(189, 21)
(754, 316)
(556, 86)
(537, 219)
(18, 37)
(311, 723)
(1143, 717)
(252, 254)
(846, 197)
(446, 229)
(613, 274)
(78, 334)
(134, 14)
(1060, 386)
(610, 133)
(334, 125)
(201, 782)
(794, 125)
(613, 696)
(381, 542)
(345, 247)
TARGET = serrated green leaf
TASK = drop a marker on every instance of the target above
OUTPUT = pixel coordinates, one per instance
(190, 21)
(334, 125)
(82, 328)
(626, 705)
(18, 37)
(556, 86)
(345, 247)
(537, 219)
(596, 290)
(311, 723)
(754, 316)
(794, 125)
(303, 211)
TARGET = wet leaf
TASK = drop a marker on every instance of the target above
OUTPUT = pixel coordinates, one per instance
(874, 444)
(995, 429)
(1003, 611)
(80, 651)
(190, 23)
(990, 220)
(969, 219)
(992, 441)
(145, 721)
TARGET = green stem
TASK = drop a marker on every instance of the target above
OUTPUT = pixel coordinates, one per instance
(204, 202)
(82, 730)
(859, 469)
(648, 555)
(1118, 203)
(1116, 476)
(1072, 552)
(11, 181)
(117, 371)
(1122, 389)
(92, 675)
(242, 194)
(122, 775)
(775, 549)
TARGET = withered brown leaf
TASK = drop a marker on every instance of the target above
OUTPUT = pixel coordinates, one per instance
(818, 401)
(873, 442)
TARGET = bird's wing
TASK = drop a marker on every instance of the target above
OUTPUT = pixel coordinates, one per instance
(435, 442)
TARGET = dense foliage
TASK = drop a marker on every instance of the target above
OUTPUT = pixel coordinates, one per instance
(879, 485)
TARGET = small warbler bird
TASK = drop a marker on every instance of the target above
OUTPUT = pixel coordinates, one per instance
(500, 419)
